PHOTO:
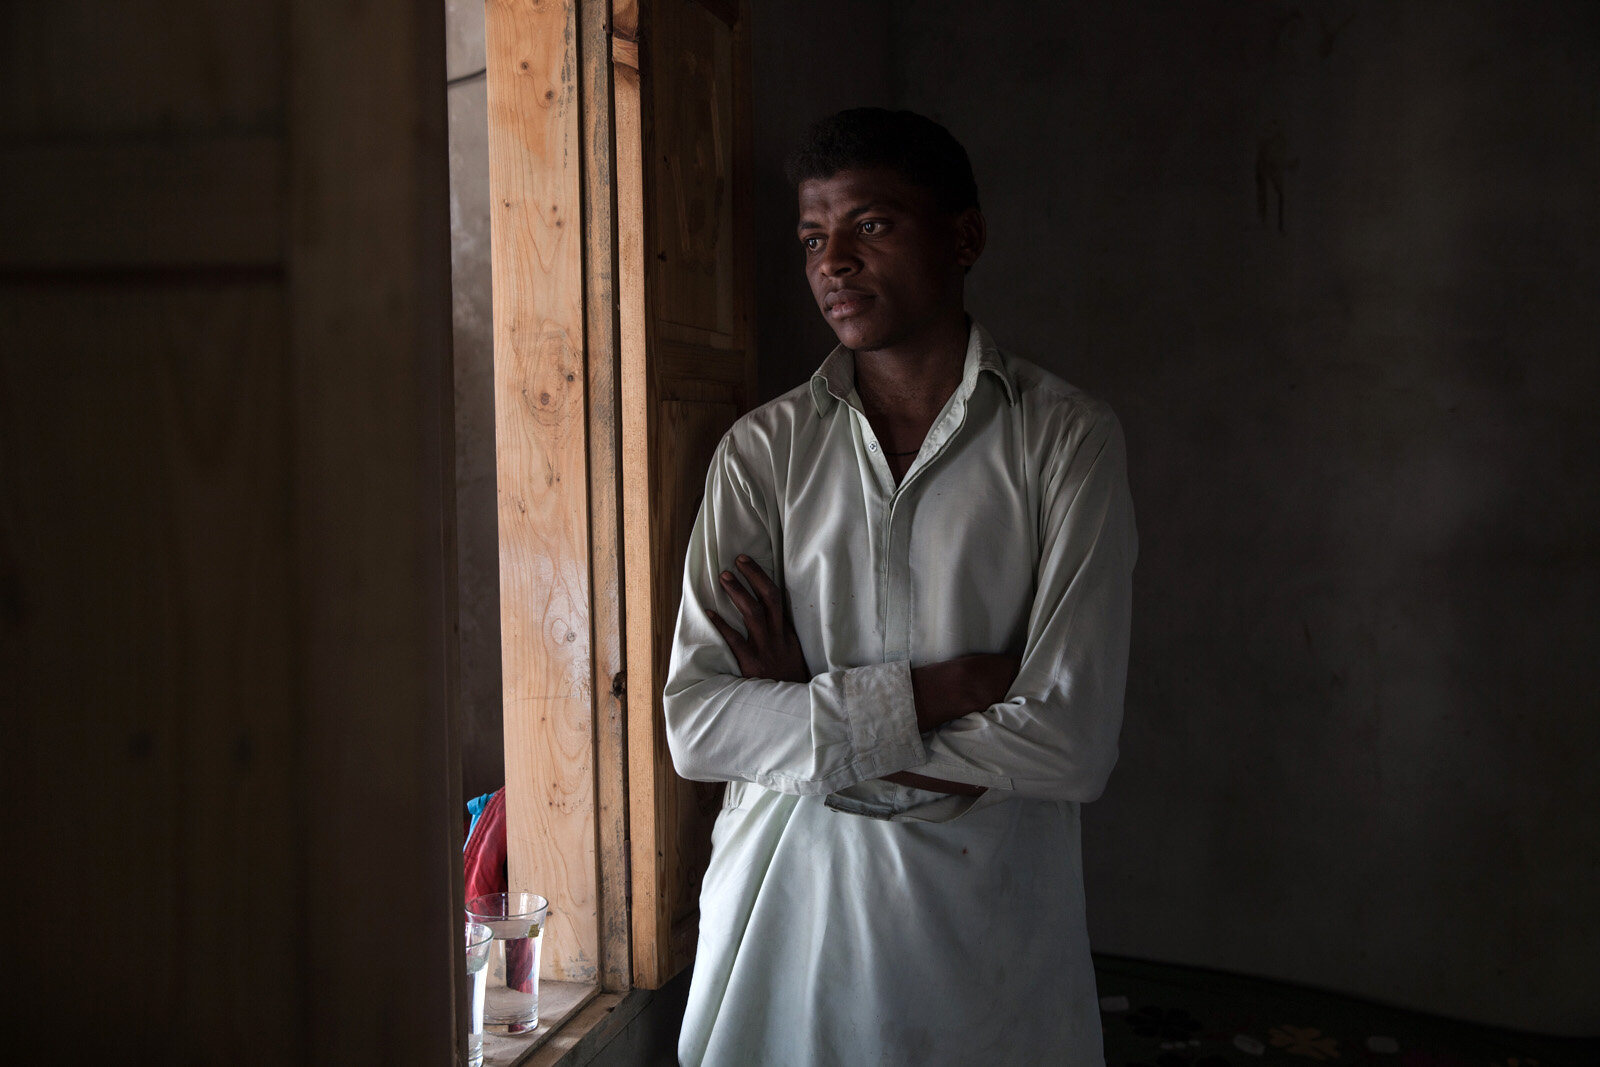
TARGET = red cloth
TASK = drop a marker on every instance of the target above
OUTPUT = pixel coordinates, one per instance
(485, 859)
(485, 854)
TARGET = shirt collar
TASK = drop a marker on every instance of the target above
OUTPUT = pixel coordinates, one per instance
(835, 380)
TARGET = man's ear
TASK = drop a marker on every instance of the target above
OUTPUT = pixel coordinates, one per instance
(971, 234)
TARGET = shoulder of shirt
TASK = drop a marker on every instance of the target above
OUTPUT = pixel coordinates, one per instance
(770, 427)
(1041, 393)
(775, 420)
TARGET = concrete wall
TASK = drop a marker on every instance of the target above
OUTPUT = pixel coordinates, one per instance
(477, 526)
(809, 61)
(1336, 267)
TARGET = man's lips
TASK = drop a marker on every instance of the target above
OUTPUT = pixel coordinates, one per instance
(845, 302)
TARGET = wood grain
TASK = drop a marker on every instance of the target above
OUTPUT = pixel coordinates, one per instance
(686, 373)
(609, 683)
(690, 431)
(145, 655)
(217, 201)
(648, 914)
(368, 268)
(692, 71)
(222, 503)
(541, 444)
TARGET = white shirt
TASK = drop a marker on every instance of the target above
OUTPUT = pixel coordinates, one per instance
(848, 920)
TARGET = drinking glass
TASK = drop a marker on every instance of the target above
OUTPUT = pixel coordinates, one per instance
(479, 938)
(511, 987)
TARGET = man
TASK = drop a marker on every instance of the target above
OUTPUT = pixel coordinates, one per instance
(903, 643)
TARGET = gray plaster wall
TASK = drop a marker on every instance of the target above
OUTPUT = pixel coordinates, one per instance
(809, 60)
(477, 525)
(1335, 265)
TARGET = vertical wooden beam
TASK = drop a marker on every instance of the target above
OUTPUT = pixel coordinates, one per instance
(650, 917)
(541, 445)
(369, 282)
(605, 493)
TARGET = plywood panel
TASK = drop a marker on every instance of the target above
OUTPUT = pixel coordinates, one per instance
(223, 396)
(541, 428)
(144, 643)
(692, 66)
(173, 69)
(213, 201)
(690, 432)
(368, 280)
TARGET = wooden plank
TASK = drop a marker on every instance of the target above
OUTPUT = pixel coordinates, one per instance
(646, 773)
(587, 1035)
(535, 148)
(150, 739)
(689, 432)
(691, 362)
(609, 684)
(743, 203)
(692, 335)
(687, 372)
(144, 658)
(692, 88)
(222, 607)
(559, 1003)
(86, 69)
(171, 203)
(369, 367)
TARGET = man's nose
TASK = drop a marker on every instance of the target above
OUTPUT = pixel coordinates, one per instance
(839, 257)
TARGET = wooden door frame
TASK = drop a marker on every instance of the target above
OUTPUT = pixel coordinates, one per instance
(367, 263)
(557, 446)
(586, 766)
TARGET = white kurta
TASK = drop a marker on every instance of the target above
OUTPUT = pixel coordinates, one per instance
(848, 920)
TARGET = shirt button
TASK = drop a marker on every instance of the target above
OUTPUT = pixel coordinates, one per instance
(872, 446)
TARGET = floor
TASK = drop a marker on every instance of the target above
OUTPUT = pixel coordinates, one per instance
(1157, 1015)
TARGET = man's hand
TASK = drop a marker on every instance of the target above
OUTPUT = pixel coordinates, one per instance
(948, 690)
(769, 648)
(956, 687)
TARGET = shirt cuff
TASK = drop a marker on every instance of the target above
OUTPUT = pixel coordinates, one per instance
(882, 718)
(894, 802)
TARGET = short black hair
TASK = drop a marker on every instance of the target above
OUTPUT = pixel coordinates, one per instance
(920, 150)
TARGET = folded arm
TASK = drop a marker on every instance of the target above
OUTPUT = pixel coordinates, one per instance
(1054, 735)
(782, 727)
(768, 647)
(746, 706)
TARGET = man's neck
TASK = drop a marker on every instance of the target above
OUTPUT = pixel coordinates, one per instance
(910, 384)
(903, 389)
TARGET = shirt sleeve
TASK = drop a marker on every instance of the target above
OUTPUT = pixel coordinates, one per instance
(1054, 737)
(844, 727)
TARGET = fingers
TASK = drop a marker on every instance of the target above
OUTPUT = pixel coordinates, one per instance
(766, 590)
(747, 605)
(737, 644)
(729, 634)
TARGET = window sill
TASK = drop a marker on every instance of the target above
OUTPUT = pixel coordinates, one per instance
(576, 1021)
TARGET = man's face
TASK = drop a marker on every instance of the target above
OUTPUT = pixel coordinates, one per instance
(884, 263)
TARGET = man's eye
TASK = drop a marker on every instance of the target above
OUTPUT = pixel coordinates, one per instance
(871, 226)
(811, 243)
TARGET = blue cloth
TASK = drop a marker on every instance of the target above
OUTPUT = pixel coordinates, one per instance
(475, 808)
